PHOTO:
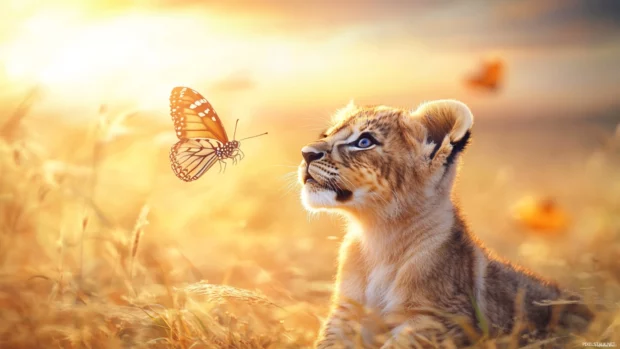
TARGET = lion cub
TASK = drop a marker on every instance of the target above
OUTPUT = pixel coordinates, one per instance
(408, 255)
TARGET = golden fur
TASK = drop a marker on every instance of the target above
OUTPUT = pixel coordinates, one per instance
(408, 255)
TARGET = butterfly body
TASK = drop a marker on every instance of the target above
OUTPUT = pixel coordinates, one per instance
(228, 150)
(202, 138)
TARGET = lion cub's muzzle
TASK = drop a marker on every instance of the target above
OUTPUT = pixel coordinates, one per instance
(310, 155)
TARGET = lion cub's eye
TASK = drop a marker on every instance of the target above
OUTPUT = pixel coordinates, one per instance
(365, 141)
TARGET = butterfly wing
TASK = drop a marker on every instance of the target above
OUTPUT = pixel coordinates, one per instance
(194, 116)
(191, 158)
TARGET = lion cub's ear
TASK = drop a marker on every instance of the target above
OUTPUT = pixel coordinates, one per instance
(448, 124)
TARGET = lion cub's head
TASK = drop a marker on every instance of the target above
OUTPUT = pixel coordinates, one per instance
(385, 161)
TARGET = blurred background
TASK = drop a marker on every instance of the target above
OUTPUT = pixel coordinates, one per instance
(91, 210)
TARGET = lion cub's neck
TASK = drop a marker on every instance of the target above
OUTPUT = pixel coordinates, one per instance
(416, 230)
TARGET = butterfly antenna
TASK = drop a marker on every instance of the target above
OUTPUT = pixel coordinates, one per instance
(235, 132)
(262, 134)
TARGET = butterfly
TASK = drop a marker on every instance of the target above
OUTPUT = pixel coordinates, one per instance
(202, 138)
(490, 76)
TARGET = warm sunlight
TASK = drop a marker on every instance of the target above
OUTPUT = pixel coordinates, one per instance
(138, 55)
(166, 180)
(57, 49)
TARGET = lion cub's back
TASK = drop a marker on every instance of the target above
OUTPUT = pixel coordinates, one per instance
(510, 289)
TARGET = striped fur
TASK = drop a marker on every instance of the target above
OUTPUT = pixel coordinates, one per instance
(408, 261)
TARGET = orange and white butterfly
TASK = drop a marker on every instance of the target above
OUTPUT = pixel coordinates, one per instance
(202, 137)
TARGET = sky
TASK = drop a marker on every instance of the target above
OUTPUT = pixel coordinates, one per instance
(295, 58)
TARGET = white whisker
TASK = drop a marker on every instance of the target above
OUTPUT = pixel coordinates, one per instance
(291, 166)
(290, 179)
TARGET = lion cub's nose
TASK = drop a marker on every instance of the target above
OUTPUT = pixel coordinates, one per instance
(310, 154)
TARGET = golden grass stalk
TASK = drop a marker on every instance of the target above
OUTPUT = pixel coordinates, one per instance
(221, 293)
(136, 234)
(9, 128)
(83, 233)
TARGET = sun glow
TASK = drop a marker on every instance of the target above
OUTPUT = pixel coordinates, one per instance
(140, 54)
(53, 50)
(135, 56)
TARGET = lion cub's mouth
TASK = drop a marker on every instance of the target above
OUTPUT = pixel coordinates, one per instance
(341, 193)
(308, 178)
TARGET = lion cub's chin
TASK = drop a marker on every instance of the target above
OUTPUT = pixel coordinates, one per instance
(316, 198)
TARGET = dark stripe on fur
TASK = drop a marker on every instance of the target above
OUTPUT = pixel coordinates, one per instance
(437, 145)
(458, 147)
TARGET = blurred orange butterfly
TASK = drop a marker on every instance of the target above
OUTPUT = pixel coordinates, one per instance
(490, 76)
(542, 215)
(202, 138)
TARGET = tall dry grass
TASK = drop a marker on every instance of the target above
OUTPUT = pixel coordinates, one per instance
(102, 247)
